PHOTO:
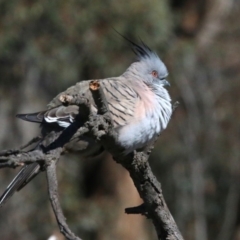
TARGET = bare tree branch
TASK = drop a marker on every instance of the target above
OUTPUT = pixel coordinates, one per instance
(54, 199)
(100, 127)
(150, 191)
(19, 159)
(146, 183)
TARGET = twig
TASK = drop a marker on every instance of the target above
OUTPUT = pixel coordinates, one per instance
(9, 152)
(141, 209)
(34, 140)
(54, 199)
(175, 105)
(102, 127)
(21, 158)
(99, 97)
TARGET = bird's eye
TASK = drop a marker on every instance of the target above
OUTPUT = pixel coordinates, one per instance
(155, 73)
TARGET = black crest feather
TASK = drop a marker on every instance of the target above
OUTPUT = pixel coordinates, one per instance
(142, 50)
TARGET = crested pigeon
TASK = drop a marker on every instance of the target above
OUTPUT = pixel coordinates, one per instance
(139, 104)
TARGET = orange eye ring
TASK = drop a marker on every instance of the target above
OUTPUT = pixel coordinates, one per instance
(155, 73)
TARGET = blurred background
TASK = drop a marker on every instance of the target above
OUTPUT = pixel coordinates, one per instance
(47, 46)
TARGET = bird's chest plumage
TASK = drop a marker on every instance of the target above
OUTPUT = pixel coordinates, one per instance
(143, 127)
(137, 134)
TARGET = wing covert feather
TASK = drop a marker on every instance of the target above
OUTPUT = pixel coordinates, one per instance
(121, 99)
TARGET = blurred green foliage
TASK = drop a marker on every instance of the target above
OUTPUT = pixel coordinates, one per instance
(47, 46)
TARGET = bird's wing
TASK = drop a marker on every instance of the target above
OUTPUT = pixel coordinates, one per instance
(32, 117)
(121, 98)
(62, 115)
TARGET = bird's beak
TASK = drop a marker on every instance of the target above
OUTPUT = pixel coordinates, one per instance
(166, 83)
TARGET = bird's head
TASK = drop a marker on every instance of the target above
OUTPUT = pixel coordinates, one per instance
(148, 66)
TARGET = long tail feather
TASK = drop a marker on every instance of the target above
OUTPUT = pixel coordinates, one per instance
(32, 117)
(26, 174)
